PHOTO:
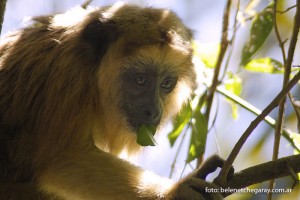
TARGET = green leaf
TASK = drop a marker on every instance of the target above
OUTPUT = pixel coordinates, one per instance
(208, 53)
(296, 139)
(145, 135)
(264, 65)
(198, 137)
(235, 111)
(261, 27)
(234, 85)
(180, 122)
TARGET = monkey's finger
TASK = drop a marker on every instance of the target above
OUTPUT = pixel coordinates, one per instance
(210, 165)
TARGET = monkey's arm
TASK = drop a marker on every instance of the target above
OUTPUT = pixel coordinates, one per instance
(92, 173)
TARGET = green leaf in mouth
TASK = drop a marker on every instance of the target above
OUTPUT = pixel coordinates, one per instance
(145, 135)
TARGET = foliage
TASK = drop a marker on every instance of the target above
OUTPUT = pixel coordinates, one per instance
(194, 119)
(262, 24)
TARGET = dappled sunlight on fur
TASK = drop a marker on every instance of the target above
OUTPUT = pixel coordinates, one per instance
(69, 101)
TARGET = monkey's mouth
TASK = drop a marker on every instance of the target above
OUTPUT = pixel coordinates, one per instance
(136, 119)
(135, 126)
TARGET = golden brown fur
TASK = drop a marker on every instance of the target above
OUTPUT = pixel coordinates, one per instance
(59, 93)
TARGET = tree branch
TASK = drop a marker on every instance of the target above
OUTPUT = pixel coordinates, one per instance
(269, 120)
(287, 73)
(2, 11)
(215, 82)
(264, 172)
(221, 179)
(224, 45)
(286, 10)
(280, 42)
(86, 4)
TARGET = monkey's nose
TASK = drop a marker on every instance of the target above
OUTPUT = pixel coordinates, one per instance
(152, 116)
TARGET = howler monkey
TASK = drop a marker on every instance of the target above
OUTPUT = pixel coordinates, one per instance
(74, 89)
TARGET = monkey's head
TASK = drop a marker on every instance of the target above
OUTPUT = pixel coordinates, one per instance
(145, 71)
(105, 71)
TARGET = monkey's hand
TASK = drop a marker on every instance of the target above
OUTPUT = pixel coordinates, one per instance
(194, 186)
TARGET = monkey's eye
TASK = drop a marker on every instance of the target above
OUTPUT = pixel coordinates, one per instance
(168, 84)
(141, 80)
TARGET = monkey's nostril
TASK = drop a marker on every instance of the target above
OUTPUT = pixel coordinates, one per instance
(152, 116)
(148, 114)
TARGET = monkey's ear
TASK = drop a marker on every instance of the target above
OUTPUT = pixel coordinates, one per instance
(100, 34)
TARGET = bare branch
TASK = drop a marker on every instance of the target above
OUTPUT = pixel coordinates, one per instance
(264, 172)
(269, 120)
(224, 45)
(2, 11)
(216, 81)
(286, 10)
(221, 180)
(287, 73)
(86, 4)
(280, 42)
(296, 109)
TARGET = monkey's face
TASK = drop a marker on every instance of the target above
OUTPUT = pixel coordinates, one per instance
(144, 92)
(148, 85)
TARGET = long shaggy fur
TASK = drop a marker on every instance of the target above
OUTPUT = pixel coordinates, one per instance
(61, 128)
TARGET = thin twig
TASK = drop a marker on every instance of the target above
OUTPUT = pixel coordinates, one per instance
(235, 28)
(86, 4)
(280, 42)
(296, 109)
(278, 125)
(224, 45)
(2, 11)
(216, 81)
(269, 120)
(287, 73)
(177, 152)
(286, 10)
(293, 42)
(221, 180)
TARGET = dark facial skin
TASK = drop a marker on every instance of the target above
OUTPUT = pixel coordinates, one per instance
(143, 94)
